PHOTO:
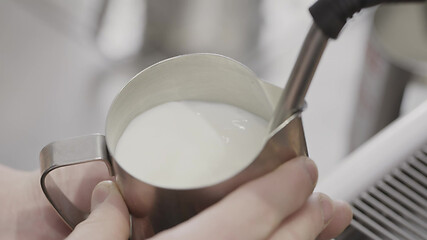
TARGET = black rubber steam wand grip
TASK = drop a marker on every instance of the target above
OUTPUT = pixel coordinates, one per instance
(331, 15)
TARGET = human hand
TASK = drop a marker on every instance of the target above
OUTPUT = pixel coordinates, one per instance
(279, 205)
(109, 217)
(25, 212)
(274, 206)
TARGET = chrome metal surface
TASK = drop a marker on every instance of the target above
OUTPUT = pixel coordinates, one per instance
(395, 60)
(64, 153)
(396, 207)
(292, 98)
(206, 77)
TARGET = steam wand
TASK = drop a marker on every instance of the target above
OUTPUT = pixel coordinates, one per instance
(329, 18)
(292, 98)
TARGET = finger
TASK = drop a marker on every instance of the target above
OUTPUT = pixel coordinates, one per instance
(254, 210)
(308, 222)
(109, 218)
(342, 218)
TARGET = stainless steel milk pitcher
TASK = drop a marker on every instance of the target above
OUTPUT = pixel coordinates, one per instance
(206, 77)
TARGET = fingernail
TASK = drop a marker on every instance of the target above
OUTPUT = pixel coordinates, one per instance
(311, 169)
(100, 193)
(327, 207)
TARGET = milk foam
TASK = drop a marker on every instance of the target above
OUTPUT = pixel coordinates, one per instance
(189, 144)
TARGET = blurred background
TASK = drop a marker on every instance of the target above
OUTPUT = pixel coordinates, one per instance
(63, 62)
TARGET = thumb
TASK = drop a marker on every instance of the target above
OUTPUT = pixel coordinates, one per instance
(109, 217)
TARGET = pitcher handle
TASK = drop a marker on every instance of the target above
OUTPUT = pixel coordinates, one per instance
(66, 153)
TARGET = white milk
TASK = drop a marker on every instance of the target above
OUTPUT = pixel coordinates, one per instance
(190, 144)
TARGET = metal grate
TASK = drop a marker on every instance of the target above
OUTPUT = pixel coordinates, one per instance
(395, 207)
